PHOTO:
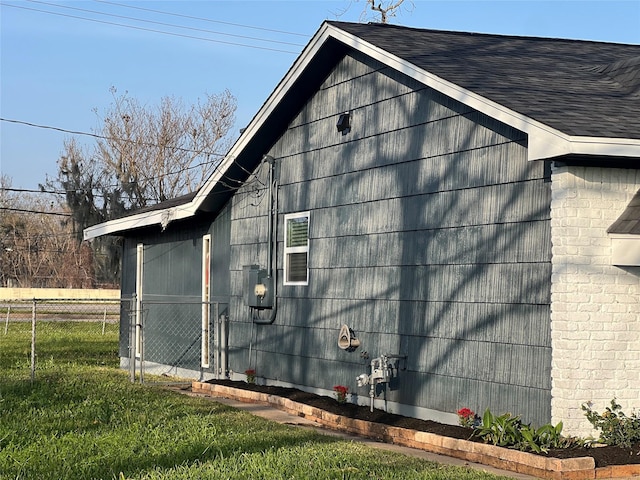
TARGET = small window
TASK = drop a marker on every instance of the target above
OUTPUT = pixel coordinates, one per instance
(296, 249)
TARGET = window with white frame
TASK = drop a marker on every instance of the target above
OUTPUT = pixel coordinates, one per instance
(296, 248)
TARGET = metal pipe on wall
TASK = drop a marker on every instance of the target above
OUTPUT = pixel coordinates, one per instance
(224, 344)
(271, 246)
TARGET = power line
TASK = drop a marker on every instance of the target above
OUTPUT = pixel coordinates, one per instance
(124, 17)
(104, 22)
(145, 144)
(202, 19)
(45, 235)
(104, 137)
(28, 190)
(21, 210)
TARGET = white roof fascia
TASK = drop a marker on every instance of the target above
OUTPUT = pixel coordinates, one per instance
(267, 108)
(616, 147)
(145, 219)
(544, 141)
(624, 236)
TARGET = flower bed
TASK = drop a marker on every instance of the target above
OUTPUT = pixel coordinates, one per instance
(451, 440)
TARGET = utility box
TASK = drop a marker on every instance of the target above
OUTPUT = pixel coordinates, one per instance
(258, 287)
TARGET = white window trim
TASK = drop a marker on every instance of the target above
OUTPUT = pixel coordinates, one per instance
(206, 298)
(139, 283)
(288, 250)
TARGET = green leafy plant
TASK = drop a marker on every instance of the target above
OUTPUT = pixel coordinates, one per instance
(508, 431)
(503, 430)
(616, 428)
(251, 375)
(546, 437)
(341, 393)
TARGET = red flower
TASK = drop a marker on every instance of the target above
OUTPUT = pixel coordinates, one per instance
(465, 413)
(466, 417)
(251, 375)
(341, 393)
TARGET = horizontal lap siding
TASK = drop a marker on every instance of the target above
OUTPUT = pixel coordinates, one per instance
(456, 283)
(172, 289)
(429, 236)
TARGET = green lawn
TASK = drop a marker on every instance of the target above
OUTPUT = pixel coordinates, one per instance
(82, 419)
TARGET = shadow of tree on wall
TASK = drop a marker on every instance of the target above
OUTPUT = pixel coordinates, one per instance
(429, 237)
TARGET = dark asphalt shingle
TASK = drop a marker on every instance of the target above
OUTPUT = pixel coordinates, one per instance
(629, 221)
(579, 87)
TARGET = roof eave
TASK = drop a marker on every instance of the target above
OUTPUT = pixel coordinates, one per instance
(146, 219)
(545, 142)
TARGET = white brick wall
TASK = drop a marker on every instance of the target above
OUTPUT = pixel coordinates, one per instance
(595, 307)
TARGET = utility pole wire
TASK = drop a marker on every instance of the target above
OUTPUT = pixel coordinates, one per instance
(173, 25)
(22, 210)
(103, 137)
(193, 37)
(202, 19)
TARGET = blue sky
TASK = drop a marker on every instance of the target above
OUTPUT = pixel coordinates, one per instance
(58, 60)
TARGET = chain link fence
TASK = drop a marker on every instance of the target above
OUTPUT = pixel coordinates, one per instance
(159, 339)
(177, 338)
(40, 333)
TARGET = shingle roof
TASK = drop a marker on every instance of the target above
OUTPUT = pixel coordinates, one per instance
(581, 88)
(629, 221)
(172, 202)
(569, 88)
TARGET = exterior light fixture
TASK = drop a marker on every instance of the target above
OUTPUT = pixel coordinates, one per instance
(344, 123)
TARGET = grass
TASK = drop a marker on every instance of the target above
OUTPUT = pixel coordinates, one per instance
(82, 419)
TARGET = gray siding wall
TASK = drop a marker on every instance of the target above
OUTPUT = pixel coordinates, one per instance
(429, 237)
(172, 287)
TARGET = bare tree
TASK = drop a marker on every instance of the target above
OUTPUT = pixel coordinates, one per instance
(38, 248)
(143, 155)
(382, 10)
(157, 153)
(385, 9)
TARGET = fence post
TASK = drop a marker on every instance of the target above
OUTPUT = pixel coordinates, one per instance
(141, 342)
(33, 341)
(132, 338)
(224, 345)
(104, 319)
(6, 325)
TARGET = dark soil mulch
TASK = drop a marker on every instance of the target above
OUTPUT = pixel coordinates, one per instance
(603, 456)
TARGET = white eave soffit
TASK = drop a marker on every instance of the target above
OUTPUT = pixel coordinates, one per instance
(156, 217)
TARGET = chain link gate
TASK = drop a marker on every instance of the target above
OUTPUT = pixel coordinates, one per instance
(177, 339)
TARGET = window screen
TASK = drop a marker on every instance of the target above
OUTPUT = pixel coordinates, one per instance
(296, 250)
